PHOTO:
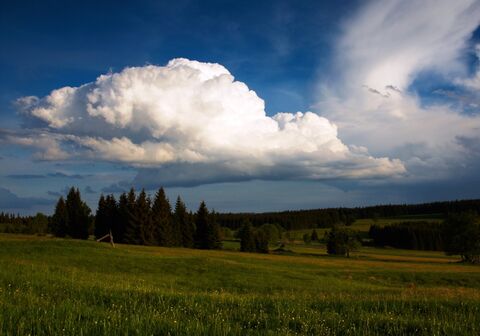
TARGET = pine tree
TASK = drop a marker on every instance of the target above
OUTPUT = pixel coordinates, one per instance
(120, 225)
(183, 223)
(201, 224)
(78, 215)
(207, 234)
(214, 232)
(132, 233)
(247, 237)
(101, 218)
(162, 219)
(177, 223)
(59, 222)
(143, 219)
(112, 217)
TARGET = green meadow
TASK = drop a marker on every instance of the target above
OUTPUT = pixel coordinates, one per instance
(52, 286)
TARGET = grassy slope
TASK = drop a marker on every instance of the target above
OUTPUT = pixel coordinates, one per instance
(53, 286)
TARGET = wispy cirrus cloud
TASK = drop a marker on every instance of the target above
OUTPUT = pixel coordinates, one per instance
(384, 48)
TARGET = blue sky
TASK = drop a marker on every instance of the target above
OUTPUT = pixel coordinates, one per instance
(393, 87)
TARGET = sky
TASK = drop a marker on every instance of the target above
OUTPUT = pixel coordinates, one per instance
(250, 106)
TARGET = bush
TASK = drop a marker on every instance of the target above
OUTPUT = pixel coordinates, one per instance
(314, 236)
(272, 233)
(342, 241)
(247, 238)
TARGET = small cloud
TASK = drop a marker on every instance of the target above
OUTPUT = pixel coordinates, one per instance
(115, 188)
(25, 176)
(62, 192)
(375, 91)
(54, 193)
(393, 88)
(63, 175)
(89, 190)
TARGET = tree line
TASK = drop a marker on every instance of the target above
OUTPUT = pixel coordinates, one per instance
(326, 218)
(420, 235)
(10, 223)
(322, 218)
(458, 234)
(137, 219)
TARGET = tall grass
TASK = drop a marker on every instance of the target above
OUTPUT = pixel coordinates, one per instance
(53, 286)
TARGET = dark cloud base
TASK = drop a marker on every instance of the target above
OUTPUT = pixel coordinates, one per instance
(9, 200)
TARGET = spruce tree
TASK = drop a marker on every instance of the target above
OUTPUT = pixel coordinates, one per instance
(143, 219)
(214, 232)
(207, 233)
(78, 215)
(59, 222)
(201, 224)
(101, 219)
(120, 225)
(183, 223)
(112, 217)
(132, 233)
(162, 219)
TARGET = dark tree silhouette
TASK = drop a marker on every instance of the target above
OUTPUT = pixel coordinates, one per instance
(59, 221)
(120, 227)
(214, 232)
(183, 224)
(142, 219)
(132, 234)
(162, 219)
(78, 215)
(207, 233)
(101, 218)
(111, 210)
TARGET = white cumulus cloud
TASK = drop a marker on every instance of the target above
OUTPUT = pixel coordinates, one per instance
(191, 123)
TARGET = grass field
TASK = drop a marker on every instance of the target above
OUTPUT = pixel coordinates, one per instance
(67, 287)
